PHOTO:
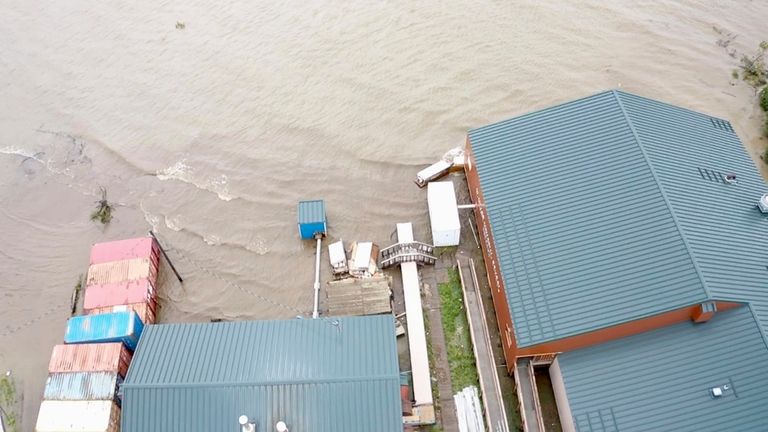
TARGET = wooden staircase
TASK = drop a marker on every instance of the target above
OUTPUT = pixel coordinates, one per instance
(418, 252)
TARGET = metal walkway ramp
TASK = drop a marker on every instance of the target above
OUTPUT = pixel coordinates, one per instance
(418, 252)
(493, 400)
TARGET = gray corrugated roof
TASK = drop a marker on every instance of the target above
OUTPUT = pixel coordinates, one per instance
(660, 380)
(331, 374)
(603, 212)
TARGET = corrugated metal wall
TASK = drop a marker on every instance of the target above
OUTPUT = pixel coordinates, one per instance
(78, 416)
(74, 386)
(97, 357)
(144, 247)
(122, 327)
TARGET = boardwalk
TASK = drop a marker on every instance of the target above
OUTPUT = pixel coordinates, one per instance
(493, 402)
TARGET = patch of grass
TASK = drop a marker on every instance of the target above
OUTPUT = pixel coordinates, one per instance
(765, 131)
(103, 211)
(8, 402)
(446, 250)
(461, 358)
(764, 99)
(431, 360)
(753, 70)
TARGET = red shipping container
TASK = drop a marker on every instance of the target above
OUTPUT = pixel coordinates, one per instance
(145, 311)
(96, 357)
(142, 247)
(119, 271)
(119, 293)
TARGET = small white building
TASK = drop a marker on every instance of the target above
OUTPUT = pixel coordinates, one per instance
(443, 214)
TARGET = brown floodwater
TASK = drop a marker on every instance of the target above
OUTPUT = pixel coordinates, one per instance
(208, 121)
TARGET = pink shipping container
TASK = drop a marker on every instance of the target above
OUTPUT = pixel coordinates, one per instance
(119, 271)
(119, 293)
(97, 357)
(145, 311)
(142, 247)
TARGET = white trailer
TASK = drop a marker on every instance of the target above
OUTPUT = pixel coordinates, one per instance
(338, 257)
(443, 214)
(433, 172)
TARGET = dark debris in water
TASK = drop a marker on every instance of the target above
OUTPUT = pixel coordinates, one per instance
(103, 211)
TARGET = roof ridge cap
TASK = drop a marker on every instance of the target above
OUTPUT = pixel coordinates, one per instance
(758, 323)
(689, 250)
(248, 383)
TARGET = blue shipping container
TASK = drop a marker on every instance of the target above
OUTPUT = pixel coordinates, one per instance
(74, 386)
(311, 215)
(125, 327)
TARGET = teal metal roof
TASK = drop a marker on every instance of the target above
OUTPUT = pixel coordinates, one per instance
(330, 374)
(725, 232)
(612, 208)
(311, 211)
(661, 380)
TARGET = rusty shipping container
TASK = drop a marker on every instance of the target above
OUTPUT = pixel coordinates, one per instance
(119, 271)
(142, 247)
(146, 311)
(78, 416)
(119, 293)
(83, 386)
(96, 357)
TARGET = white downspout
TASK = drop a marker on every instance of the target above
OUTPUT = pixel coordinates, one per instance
(317, 277)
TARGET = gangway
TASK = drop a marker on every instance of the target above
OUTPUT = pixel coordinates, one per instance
(407, 251)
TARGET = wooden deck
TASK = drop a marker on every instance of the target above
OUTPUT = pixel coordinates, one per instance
(352, 296)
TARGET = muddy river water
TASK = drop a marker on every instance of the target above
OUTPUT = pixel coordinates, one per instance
(207, 121)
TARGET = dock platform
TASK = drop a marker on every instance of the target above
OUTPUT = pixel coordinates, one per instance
(493, 402)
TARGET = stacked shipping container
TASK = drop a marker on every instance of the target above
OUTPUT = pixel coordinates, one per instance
(82, 390)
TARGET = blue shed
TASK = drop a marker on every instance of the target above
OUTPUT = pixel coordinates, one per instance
(311, 215)
(125, 327)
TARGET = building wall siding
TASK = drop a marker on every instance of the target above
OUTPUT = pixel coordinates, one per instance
(495, 280)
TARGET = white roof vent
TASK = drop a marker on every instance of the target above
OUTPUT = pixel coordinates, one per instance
(281, 427)
(245, 424)
(716, 392)
(763, 203)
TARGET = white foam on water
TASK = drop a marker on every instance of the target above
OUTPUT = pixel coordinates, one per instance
(152, 220)
(258, 246)
(212, 240)
(183, 172)
(18, 151)
(173, 223)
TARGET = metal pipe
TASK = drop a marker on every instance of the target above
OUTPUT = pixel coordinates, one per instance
(168, 260)
(317, 277)
(466, 206)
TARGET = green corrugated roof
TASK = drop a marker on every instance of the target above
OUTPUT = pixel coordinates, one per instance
(609, 209)
(330, 374)
(724, 230)
(661, 380)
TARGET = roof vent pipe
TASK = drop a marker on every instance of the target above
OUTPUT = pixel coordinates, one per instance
(245, 425)
(763, 203)
(281, 427)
